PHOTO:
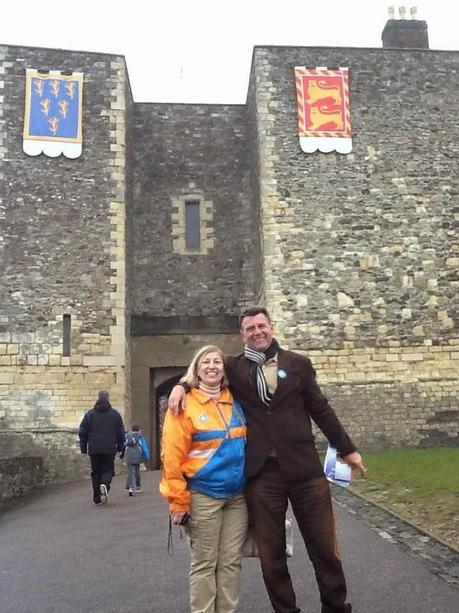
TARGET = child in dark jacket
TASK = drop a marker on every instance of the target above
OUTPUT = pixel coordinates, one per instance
(135, 452)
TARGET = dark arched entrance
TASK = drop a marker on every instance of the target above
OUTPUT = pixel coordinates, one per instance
(161, 395)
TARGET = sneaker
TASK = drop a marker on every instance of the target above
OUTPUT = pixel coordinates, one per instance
(103, 493)
(98, 503)
(131, 492)
(138, 490)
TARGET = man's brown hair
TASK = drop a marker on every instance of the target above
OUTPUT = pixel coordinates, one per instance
(251, 311)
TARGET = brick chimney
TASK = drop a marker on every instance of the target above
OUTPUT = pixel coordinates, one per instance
(405, 33)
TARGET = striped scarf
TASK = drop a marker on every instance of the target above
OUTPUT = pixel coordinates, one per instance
(257, 359)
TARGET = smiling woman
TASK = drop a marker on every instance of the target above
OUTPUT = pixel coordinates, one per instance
(203, 457)
(208, 358)
(210, 370)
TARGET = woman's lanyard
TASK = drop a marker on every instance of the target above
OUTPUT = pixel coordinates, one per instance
(227, 428)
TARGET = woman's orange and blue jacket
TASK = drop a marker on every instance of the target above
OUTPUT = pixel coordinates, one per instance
(203, 449)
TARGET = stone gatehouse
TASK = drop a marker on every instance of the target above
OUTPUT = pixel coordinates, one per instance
(117, 265)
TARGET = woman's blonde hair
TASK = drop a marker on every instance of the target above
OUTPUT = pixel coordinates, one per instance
(191, 375)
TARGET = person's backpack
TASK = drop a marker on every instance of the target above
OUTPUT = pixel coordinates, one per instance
(131, 440)
(145, 449)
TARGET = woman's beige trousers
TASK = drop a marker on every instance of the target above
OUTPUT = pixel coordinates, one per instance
(217, 529)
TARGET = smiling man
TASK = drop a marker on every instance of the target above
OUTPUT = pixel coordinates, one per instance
(280, 395)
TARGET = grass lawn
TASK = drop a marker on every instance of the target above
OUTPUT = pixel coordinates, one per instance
(423, 471)
(421, 485)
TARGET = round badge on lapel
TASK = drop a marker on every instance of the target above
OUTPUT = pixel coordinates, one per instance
(281, 374)
(203, 418)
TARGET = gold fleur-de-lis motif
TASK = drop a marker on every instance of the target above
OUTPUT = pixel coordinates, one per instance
(63, 107)
(53, 125)
(70, 87)
(54, 87)
(45, 103)
(39, 86)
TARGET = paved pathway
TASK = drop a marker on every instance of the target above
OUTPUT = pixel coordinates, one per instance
(61, 554)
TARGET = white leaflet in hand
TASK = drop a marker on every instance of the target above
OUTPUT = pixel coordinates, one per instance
(336, 472)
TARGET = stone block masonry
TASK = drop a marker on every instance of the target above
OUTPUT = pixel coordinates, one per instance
(63, 236)
(198, 153)
(360, 257)
(393, 398)
(19, 477)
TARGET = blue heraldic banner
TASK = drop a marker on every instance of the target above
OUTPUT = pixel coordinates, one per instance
(53, 113)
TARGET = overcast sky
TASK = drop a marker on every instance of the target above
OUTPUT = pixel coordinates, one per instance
(201, 50)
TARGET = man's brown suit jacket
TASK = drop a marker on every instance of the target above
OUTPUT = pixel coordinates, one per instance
(285, 425)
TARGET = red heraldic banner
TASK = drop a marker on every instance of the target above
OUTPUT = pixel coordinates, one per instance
(324, 115)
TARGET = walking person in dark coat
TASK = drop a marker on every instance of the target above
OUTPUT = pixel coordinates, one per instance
(101, 435)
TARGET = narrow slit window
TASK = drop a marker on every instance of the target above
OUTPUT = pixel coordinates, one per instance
(192, 225)
(66, 335)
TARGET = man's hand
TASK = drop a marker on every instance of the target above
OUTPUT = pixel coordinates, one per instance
(176, 402)
(354, 460)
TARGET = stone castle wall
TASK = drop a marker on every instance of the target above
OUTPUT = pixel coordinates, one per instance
(254, 136)
(62, 227)
(356, 256)
(190, 152)
(181, 298)
(360, 253)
